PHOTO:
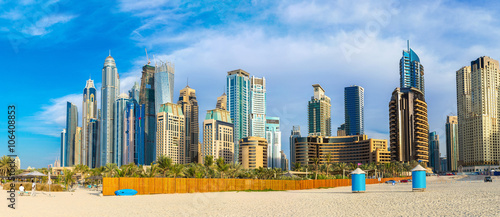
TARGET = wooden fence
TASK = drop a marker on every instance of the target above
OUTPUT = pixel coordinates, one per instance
(194, 185)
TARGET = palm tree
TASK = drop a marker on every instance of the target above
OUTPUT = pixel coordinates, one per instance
(343, 167)
(365, 167)
(177, 170)
(164, 164)
(152, 171)
(328, 162)
(110, 170)
(316, 163)
(194, 171)
(68, 178)
(222, 167)
(208, 163)
(296, 166)
(235, 169)
(4, 165)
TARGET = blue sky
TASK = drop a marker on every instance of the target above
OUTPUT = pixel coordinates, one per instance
(50, 48)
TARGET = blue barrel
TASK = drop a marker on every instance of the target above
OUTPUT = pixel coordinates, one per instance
(418, 182)
(358, 183)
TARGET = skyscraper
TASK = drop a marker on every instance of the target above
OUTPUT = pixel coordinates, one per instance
(409, 129)
(354, 110)
(238, 104)
(411, 71)
(164, 84)
(71, 125)
(478, 120)
(139, 148)
(284, 161)
(295, 133)
(218, 135)
(257, 116)
(119, 139)
(222, 102)
(129, 134)
(147, 99)
(93, 158)
(78, 146)
(273, 137)
(63, 147)
(341, 130)
(170, 133)
(464, 107)
(109, 93)
(452, 143)
(319, 113)
(134, 92)
(189, 105)
(89, 111)
(434, 152)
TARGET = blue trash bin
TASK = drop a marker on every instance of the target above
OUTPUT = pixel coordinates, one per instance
(358, 181)
(418, 178)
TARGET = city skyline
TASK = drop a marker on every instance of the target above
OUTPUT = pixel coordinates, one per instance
(41, 135)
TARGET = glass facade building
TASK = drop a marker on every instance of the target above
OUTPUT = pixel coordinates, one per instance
(238, 104)
(119, 156)
(109, 93)
(164, 84)
(63, 147)
(319, 113)
(89, 111)
(411, 71)
(295, 133)
(354, 110)
(434, 152)
(71, 125)
(147, 101)
(273, 137)
(93, 148)
(189, 104)
(258, 107)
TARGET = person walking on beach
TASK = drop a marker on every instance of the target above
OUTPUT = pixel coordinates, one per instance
(21, 189)
(33, 188)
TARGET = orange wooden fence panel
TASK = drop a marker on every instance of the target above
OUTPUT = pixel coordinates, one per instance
(193, 185)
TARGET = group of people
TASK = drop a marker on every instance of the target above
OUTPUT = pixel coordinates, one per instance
(33, 188)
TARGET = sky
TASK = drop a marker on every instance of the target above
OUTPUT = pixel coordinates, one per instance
(50, 48)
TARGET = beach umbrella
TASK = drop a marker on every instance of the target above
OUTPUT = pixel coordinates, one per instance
(35, 174)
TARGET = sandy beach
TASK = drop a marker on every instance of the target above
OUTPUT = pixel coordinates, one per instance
(461, 196)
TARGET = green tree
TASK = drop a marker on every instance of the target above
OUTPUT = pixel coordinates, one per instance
(110, 170)
(164, 165)
(316, 162)
(208, 163)
(152, 171)
(297, 166)
(222, 167)
(328, 162)
(342, 167)
(68, 178)
(4, 165)
(177, 170)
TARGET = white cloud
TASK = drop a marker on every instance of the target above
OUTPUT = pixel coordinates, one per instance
(42, 26)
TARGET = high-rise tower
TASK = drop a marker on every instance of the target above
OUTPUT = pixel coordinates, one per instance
(354, 105)
(478, 113)
(257, 118)
(189, 105)
(434, 161)
(411, 71)
(147, 99)
(170, 133)
(295, 133)
(109, 93)
(319, 113)
(164, 84)
(409, 129)
(273, 137)
(120, 127)
(71, 127)
(222, 102)
(452, 143)
(238, 104)
(89, 111)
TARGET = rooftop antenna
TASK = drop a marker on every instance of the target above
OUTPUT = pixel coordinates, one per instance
(149, 61)
(187, 84)
(109, 52)
(408, 44)
(154, 58)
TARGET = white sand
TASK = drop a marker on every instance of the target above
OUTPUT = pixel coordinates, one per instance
(452, 199)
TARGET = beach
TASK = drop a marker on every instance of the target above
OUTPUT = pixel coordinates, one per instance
(444, 196)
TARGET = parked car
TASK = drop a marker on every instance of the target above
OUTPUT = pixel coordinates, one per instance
(488, 179)
(404, 181)
(390, 182)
